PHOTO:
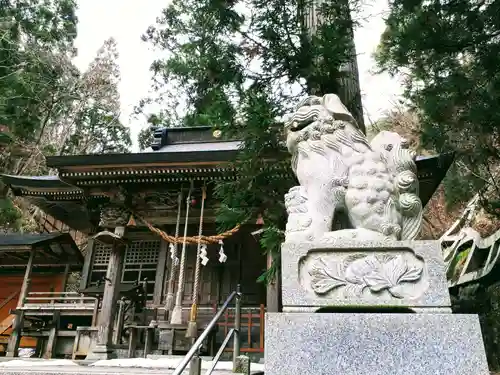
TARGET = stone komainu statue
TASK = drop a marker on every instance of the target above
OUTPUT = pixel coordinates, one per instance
(375, 183)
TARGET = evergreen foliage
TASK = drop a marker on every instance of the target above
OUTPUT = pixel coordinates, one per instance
(96, 127)
(448, 54)
(48, 107)
(240, 66)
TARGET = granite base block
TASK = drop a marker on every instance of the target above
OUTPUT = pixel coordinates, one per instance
(374, 344)
(85, 370)
(408, 274)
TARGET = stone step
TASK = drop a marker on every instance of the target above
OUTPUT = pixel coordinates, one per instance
(77, 370)
(177, 357)
(135, 366)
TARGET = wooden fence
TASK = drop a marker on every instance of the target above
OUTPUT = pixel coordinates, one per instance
(252, 328)
(56, 301)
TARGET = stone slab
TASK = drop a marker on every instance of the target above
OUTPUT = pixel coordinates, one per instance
(374, 344)
(134, 366)
(97, 371)
(370, 273)
(101, 352)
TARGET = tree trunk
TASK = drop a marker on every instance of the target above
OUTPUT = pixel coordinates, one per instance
(347, 87)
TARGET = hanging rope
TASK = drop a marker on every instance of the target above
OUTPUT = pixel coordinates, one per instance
(169, 303)
(206, 240)
(177, 311)
(198, 268)
(192, 329)
(173, 245)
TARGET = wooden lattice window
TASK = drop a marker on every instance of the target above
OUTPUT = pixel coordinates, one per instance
(102, 253)
(141, 259)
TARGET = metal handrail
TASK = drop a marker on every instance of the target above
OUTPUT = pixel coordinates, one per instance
(220, 351)
(235, 332)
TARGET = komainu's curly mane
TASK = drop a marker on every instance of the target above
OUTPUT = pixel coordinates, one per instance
(338, 168)
(320, 123)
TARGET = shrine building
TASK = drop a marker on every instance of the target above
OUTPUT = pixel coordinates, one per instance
(143, 287)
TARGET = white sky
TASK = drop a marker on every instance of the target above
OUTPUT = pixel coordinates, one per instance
(127, 20)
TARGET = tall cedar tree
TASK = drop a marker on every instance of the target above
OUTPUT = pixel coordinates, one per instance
(448, 53)
(240, 66)
(96, 126)
(43, 96)
(32, 37)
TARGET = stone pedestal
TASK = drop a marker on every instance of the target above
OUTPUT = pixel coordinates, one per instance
(374, 344)
(369, 308)
(363, 274)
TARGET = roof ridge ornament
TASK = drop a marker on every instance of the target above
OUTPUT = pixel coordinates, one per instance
(160, 138)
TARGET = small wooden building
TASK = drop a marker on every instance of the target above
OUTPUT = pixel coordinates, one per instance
(134, 206)
(31, 267)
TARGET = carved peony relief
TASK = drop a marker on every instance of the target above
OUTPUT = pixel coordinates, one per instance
(355, 274)
(364, 274)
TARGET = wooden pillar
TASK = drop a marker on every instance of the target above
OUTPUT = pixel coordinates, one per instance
(65, 278)
(160, 274)
(144, 302)
(148, 340)
(39, 348)
(27, 279)
(240, 265)
(15, 336)
(273, 290)
(119, 323)
(87, 265)
(95, 312)
(132, 342)
(51, 342)
(76, 343)
(103, 348)
(17, 325)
